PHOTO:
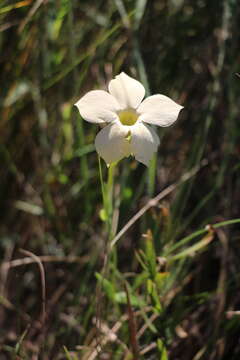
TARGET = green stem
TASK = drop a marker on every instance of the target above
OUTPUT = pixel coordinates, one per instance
(107, 195)
(102, 183)
(110, 184)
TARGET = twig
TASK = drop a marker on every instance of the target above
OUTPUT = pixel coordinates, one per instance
(30, 14)
(148, 348)
(153, 317)
(47, 258)
(43, 282)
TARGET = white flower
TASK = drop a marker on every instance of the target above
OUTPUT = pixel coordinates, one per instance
(126, 118)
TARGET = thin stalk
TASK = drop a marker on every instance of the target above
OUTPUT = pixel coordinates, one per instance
(102, 183)
(110, 184)
(107, 196)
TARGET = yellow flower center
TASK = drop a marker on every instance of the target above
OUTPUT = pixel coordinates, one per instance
(128, 117)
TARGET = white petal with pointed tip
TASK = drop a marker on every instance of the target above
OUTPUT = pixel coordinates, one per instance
(128, 91)
(144, 142)
(111, 143)
(98, 106)
(159, 110)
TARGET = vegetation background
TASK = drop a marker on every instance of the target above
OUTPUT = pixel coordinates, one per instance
(171, 290)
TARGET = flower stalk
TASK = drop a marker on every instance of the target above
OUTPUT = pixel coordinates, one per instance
(107, 196)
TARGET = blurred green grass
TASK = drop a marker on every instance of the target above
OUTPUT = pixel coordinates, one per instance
(183, 284)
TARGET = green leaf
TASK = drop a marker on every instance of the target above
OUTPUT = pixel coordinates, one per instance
(162, 350)
(156, 299)
(152, 291)
(151, 255)
(107, 286)
(141, 257)
(140, 279)
(121, 298)
(191, 250)
(127, 193)
(103, 215)
(161, 279)
(195, 234)
(68, 356)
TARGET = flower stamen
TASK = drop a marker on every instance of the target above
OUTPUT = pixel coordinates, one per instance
(128, 137)
(128, 117)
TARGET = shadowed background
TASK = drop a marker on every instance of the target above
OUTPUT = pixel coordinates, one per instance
(53, 52)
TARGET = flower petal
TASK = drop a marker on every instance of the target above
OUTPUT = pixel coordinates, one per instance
(159, 110)
(144, 142)
(128, 91)
(98, 106)
(111, 143)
